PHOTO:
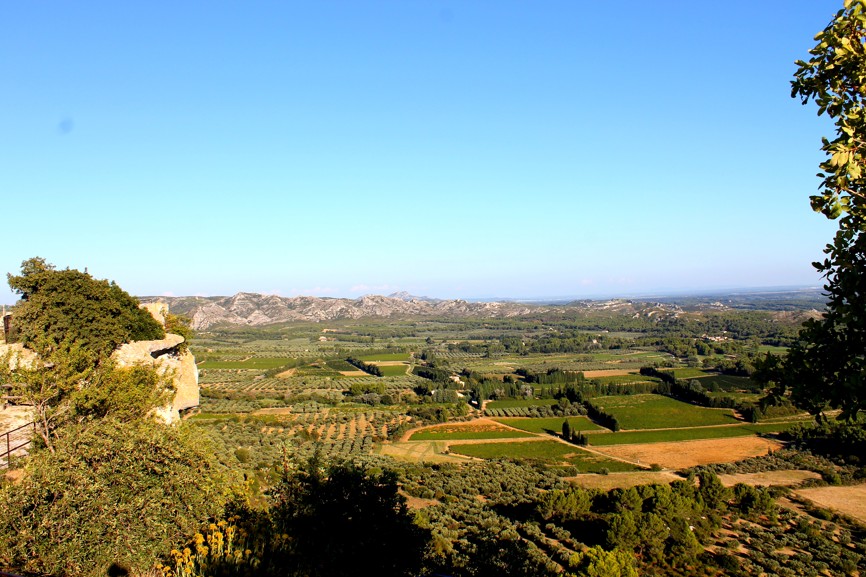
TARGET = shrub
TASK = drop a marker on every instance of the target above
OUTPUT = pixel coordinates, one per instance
(112, 493)
(59, 307)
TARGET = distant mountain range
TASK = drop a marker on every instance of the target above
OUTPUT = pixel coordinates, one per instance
(258, 309)
(253, 309)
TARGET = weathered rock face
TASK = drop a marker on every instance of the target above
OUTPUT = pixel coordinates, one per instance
(164, 356)
(158, 310)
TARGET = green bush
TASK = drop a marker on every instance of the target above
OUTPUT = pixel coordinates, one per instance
(59, 307)
(112, 493)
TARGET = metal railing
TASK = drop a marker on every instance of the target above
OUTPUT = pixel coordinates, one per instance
(19, 435)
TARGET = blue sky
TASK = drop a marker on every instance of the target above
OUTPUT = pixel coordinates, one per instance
(450, 149)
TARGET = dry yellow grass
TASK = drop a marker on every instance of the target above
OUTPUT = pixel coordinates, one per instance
(481, 424)
(849, 501)
(767, 478)
(683, 454)
(609, 373)
(429, 451)
(623, 480)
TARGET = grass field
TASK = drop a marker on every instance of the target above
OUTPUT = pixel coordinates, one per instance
(686, 373)
(657, 411)
(393, 370)
(548, 451)
(667, 436)
(262, 363)
(623, 379)
(511, 403)
(547, 424)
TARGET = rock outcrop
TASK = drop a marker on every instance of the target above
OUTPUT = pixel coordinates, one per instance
(166, 357)
(169, 358)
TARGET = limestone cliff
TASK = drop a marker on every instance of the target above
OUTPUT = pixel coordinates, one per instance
(166, 357)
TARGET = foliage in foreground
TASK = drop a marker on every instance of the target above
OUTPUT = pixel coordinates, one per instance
(323, 521)
(60, 308)
(112, 493)
(826, 367)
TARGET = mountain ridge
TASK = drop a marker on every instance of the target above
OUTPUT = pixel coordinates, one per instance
(255, 309)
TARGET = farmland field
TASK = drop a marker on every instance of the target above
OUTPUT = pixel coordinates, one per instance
(729, 383)
(679, 455)
(458, 432)
(624, 480)
(312, 398)
(550, 424)
(739, 397)
(548, 451)
(657, 412)
(250, 363)
(384, 357)
(769, 478)
(608, 360)
(454, 461)
(512, 403)
(341, 365)
(686, 373)
(689, 434)
(624, 379)
(393, 370)
(772, 349)
(847, 500)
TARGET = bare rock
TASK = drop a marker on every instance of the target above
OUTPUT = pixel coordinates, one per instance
(165, 356)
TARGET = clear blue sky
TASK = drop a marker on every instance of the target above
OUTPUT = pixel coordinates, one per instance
(450, 149)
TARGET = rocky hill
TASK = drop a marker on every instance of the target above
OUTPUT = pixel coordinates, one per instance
(258, 309)
(254, 309)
